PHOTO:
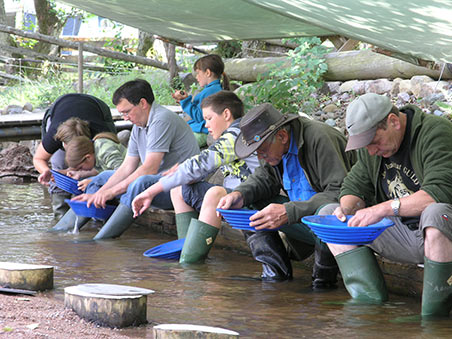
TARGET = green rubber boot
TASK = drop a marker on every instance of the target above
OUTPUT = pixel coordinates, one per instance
(437, 290)
(67, 222)
(118, 222)
(199, 240)
(362, 276)
(183, 222)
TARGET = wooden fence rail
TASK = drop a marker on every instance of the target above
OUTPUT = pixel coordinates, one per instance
(81, 47)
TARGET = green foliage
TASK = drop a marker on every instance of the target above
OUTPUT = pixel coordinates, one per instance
(290, 88)
(42, 92)
(176, 83)
(445, 107)
(104, 87)
(119, 45)
(229, 49)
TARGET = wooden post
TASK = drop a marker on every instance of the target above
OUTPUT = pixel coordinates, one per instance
(80, 67)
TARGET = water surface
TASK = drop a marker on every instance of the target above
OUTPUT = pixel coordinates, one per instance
(212, 294)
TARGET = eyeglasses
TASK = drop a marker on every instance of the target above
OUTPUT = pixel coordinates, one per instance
(126, 112)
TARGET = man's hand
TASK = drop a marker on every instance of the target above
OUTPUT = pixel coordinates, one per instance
(339, 213)
(98, 199)
(366, 216)
(363, 217)
(271, 217)
(44, 177)
(232, 200)
(141, 203)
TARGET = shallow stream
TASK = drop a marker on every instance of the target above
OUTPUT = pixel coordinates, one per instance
(213, 294)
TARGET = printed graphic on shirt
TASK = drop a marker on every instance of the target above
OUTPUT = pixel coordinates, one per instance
(398, 180)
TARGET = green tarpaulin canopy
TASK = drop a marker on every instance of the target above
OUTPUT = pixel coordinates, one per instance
(417, 28)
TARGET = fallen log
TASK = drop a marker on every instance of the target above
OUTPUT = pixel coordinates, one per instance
(342, 66)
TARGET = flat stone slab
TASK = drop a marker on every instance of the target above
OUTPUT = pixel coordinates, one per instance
(186, 331)
(108, 304)
(26, 276)
(107, 291)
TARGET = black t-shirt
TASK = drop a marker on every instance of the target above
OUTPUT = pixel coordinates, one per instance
(83, 106)
(397, 177)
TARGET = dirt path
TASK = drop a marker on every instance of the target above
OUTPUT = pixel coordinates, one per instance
(44, 317)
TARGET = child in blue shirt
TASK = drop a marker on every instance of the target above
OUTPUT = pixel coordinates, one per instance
(209, 69)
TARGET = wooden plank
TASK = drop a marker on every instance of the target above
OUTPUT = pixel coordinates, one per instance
(18, 120)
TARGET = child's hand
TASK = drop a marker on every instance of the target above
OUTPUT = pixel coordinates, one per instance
(179, 95)
(82, 185)
(140, 204)
(73, 174)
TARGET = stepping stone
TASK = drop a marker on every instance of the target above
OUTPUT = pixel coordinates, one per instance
(107, 304)
(187, 331)
(26, 277)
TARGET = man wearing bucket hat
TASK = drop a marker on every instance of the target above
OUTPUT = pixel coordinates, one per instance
(306, 159)
(403, 172)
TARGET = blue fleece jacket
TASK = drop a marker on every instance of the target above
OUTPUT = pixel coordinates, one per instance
(193, 108)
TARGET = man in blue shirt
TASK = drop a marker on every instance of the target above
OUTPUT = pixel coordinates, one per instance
(307, 160)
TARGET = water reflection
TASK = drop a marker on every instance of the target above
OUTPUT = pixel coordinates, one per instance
(210, 294)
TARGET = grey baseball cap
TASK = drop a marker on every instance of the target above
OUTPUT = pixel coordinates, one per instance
(363, 115)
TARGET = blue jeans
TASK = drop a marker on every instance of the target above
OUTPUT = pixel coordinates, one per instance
(162, 200)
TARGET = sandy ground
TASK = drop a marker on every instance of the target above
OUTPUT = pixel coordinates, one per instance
(43, 317)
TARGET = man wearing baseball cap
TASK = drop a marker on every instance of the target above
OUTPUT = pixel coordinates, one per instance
(307, 160)
(404, 173)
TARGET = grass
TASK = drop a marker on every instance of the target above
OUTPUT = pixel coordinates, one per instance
(42, 92)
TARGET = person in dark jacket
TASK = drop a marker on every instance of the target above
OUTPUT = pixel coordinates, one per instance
(307, 160)
(87, 108)
(403, 173)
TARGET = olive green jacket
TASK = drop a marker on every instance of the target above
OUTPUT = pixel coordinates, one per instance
(321, 152)
(431, 158)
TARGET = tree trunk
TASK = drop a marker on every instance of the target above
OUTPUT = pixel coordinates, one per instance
(3, 36)
(145, 42)
(170, 51)
(48, 24)
(342, 66)
(262, 48)
(5, 39)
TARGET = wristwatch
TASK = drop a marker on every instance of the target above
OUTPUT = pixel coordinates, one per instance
(395, 205)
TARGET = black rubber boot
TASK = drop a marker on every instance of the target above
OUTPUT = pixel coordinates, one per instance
(324, 275)
(116, 225)
(268, 248)
(59, 206)
(67, 222)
